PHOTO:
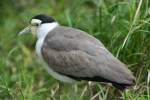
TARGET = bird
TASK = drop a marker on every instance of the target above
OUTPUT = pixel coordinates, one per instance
(71, 55)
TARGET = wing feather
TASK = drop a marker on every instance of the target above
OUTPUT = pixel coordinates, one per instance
(74, 53)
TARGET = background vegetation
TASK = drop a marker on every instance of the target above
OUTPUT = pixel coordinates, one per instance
(122, 25)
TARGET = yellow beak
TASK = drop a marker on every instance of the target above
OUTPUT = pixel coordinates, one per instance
(25, 30)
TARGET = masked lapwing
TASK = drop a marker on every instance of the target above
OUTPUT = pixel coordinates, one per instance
(72, 55)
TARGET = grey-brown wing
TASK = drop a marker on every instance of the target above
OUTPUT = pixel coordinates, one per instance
(73, 53)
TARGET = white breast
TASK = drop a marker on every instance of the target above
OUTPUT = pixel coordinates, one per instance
(41, 34)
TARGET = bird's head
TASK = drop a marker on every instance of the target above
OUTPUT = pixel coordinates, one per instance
(39, 23)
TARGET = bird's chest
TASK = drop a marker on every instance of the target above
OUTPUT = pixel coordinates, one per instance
(38, 47)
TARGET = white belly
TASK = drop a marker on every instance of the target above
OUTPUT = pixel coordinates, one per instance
(50, 71)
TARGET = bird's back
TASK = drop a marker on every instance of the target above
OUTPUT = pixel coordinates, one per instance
(78, 55)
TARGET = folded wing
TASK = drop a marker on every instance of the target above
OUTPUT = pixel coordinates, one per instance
(76, 54)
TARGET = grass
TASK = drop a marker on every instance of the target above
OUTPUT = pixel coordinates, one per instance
(122, 25)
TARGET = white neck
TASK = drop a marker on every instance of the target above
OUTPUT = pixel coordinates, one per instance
(44, 29)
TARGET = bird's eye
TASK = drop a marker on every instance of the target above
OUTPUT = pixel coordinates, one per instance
(36, 24)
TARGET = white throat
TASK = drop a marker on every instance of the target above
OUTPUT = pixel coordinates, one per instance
(44, 29)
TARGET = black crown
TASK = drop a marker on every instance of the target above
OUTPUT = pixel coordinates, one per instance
(44, 18)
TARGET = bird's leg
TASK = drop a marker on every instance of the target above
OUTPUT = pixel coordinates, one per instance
(75, 88)
(55, 90)
(83, 92)
(93, 92)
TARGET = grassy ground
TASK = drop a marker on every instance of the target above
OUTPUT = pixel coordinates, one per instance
(122, 25)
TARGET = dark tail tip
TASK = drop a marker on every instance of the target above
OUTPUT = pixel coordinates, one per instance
(122, 86)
